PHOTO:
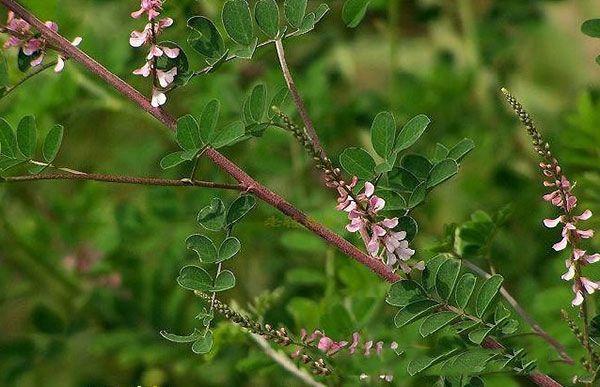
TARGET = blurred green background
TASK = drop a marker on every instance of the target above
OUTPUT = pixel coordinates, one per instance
(98, 324)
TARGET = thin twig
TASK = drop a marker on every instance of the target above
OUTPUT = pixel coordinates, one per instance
(124, 180)
(310, 128)
(523, 313)
(285, 362)
(27, 77)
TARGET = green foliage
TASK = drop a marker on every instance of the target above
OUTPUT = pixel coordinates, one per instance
(206, 39)
(354, 11)
(238, 21)
(197, 278)
(473, 238)
(358, 162)
(592, 28)
(20, 147)
(266, 13)
(445, 298)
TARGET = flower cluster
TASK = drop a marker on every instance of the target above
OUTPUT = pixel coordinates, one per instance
(562, 197)
(32, 45)
(162, 78)
(379, 236)
(330, 347)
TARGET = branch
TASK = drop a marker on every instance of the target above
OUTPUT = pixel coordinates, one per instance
(523, 313)
(310, 128)
(125, 180)
(222, 162)
(218, 159)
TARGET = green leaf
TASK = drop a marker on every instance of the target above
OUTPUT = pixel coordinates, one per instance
(405, 292)
(403, 179)
(464, 290)
(393, 200)
(229, 248)
(266, 13)
(208, 120)
(591, 28)
(441, 153)
(320, 12)
(441, 172)
(188, 133)
(418, 165)
(421, 364)
(204, 247)
(246, 52)
(431, 268)
(486, 294)
(212, 217)
(195, 335)
(478, 335)
(464, 326)
(435, 322)
(501, 313)
(383, 167)
(468, 363)
(238, 21)
(295, 11)
(357, 162)
(308, 24)
(411, 132)
(258, 102)
(447, 276)
(195, 278)
(418, 195)
(52, 143)
(203, 345)
(510, 327)
(229, 134)
(26, 136)
(205, 38)
(383, 134)
(413, 312)
(225, 281)
(460, 150)
(8, 140)
(277, 101)
(354, 11)
(174, 159)
(239, 208)
(408, 224)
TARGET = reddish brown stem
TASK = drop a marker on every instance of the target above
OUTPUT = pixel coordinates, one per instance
(221, 161)
(125, 180)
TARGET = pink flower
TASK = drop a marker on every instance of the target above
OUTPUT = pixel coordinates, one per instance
(165, 78)
(158, 98)
(145, 70)
(152, 7)
(355, 340)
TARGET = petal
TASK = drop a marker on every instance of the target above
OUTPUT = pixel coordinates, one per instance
(585, 215)
(551, 223)
(369, 189)
(570, 274)
(592, 258)
(60, 65)
(77, 41)
(578, 300)
(561, 245)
